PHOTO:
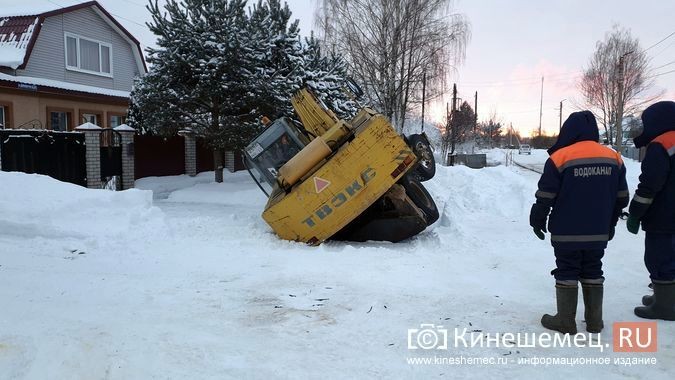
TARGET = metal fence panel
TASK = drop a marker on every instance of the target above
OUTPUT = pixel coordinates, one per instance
(60, 155)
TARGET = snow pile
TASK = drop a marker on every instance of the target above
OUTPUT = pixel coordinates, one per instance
(463, 194)
(214, 291)
(39, 206)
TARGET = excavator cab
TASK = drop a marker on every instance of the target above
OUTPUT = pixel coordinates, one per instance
(273, 148)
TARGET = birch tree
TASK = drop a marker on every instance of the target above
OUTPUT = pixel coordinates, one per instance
(390, 45)
(600, 81)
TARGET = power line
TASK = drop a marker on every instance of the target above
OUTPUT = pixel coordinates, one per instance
(116, 15)
(665, 38)
(135, 3)
(662, 66)
(555, 77)
(662, 50)
(659, 74)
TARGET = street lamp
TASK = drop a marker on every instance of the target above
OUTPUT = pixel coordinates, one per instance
(561, 102)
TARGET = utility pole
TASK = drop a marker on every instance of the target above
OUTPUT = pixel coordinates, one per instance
(618, 126)
(454, 97)
(446, 137)
(475, 112)
(452, 116)
(541, 104)
(424, 90)
(510, 135)
(560, 126)
(475, 121)
(447, 119)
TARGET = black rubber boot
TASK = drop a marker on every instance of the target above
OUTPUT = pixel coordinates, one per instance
(593, 291)
(663, 305)
(647, 300)
(564, 321)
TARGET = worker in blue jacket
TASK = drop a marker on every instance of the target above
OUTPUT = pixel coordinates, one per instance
(584, 188)
(654, 206)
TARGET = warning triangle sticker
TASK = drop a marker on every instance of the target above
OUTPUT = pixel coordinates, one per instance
(320, 184)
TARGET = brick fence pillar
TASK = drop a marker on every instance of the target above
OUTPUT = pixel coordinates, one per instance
(229, 160)
(128, 156)
(92, 141)
(190, 152)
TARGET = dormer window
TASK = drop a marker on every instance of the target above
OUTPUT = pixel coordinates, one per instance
(88, 56)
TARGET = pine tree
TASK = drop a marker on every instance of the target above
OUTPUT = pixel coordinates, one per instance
(326, 76)
(279, 56)
(218, 68)
(201, 74)
(286, 64)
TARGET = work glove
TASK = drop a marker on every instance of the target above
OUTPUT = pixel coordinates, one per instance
(633, 224)
(538, 215)
(612, 226)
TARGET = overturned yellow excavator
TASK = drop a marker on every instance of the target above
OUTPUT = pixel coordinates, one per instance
(328, 178)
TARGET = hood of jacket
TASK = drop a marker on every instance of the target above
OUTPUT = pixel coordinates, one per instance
(579, 126)
(657, 119)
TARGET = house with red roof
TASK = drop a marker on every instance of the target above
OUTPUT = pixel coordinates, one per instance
(62, 66)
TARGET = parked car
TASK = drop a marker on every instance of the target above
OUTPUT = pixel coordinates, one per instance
(524, 149)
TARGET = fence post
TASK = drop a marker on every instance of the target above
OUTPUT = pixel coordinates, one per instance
(92, 142)
(128, 156)
(229, 160)
(190, 152)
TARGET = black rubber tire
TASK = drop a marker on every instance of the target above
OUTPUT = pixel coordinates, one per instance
(426, 165)
(421, 198)
(390, 229)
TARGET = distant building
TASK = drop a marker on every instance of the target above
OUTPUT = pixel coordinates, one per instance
(63, 66)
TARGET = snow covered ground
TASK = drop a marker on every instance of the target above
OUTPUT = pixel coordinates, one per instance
(194, 284)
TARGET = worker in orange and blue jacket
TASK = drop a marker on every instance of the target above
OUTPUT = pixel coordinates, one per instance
(654, 206)
(584, 188)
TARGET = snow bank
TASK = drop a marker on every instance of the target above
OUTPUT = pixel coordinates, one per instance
(464, 194)
(39, 206)
(216, 292)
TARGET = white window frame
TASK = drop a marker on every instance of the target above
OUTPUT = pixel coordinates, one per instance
(3, 121)
(77, 68)
(86, 120)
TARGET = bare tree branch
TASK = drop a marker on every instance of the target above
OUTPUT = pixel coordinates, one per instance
(390, 44)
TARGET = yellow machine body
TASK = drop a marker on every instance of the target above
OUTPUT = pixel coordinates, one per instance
(368, 158)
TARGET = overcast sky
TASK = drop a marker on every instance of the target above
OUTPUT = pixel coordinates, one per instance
(514, 43)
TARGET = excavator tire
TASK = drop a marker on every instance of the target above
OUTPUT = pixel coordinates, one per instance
(421, 197)
(426, 166)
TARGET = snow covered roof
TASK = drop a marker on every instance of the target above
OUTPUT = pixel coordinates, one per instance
(32, 81)
(15, 36)
(32, 9)
(20, 26)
